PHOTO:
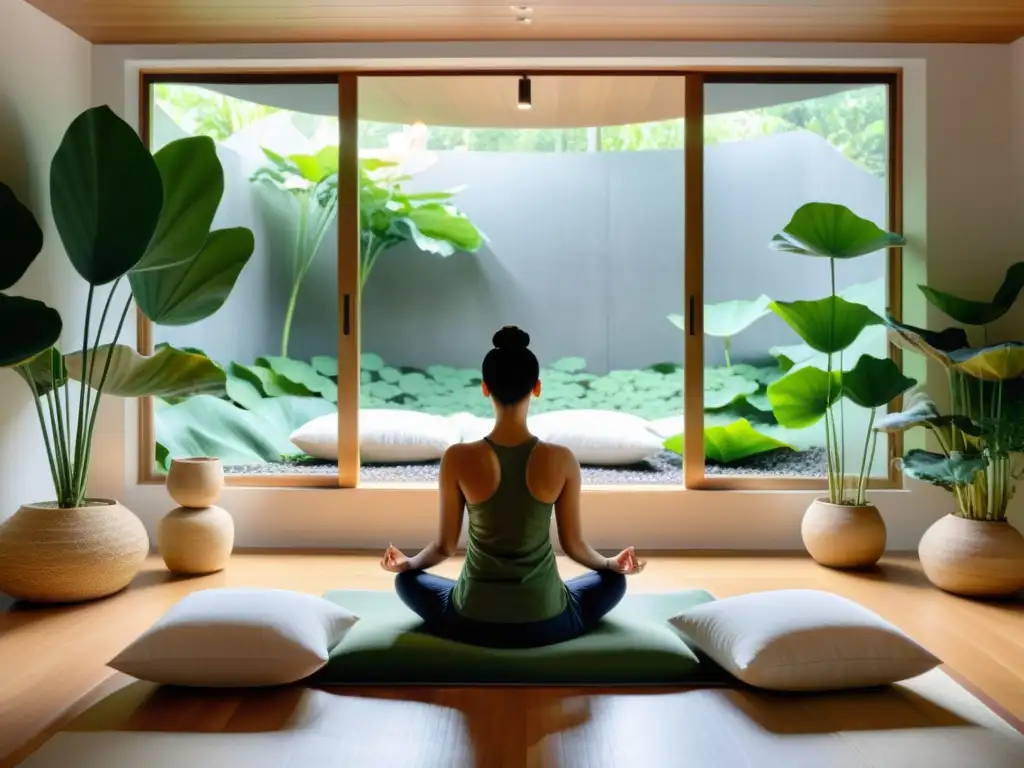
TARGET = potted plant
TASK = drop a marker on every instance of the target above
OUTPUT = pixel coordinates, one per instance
(972, 551)
(841, 530)
(123, 215)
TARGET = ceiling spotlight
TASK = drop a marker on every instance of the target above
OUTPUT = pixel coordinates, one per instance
(525, 95)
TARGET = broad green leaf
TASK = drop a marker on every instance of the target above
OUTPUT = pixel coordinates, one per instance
(302, 374)
(46, 371)
(920, 411)
(832, 231)
(956, 470)
(802, 397)
(209, 426)
(874, 382)
(722, 388)
(193, 291)
(441, 223)
(938, 345)
(999, 362)
(106, 195)
(728, 318)
(193, 184)
(675, 444)
(737, 441)
(828, 325)
(268, 382)
(791, 355)
(27, 328)
(368, 361)
(22, 238)
(325, 365)
(242, 392)
(970, 312)
(168, 373)
(286, 414)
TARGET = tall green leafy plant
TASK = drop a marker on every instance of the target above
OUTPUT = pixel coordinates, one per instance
(388, 215)
(728, 318)
(807, 394)
(121, 213)
(981, 439)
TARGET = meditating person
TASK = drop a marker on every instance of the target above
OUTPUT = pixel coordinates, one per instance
(509, 594)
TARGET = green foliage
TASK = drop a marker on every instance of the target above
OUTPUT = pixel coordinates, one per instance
(200, 111)
(801, 398)
(970, 312)
(737, 441)
(728, 318)
(116, 207)
(832, 231)
(23, 239)
(874, 382)
(828, 325)
(953, 470)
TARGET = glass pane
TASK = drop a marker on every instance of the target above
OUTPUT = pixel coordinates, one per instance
(578, 203)
(769, 149)
(276, 335)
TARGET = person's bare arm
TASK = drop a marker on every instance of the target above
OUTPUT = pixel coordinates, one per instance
(453, 505)
(569, 519)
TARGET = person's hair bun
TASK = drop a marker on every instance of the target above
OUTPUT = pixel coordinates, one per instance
(511, 337)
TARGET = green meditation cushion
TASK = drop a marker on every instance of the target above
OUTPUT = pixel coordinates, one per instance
(634, 645)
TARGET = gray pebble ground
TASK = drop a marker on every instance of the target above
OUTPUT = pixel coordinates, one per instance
(662, 469)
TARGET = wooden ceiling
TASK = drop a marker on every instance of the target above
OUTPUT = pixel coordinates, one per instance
(279, 21)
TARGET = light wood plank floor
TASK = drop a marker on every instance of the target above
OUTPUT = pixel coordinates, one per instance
(52, 659)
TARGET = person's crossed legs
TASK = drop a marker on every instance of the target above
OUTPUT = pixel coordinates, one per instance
(591, 596)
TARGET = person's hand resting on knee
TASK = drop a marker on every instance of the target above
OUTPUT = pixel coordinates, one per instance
(626, 563)
(394, 560)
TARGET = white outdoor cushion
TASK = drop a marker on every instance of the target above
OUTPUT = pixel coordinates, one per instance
(803, 640)
(237, 638)
(385, 436)
(604, 438)
(471, 428)
(670, 426)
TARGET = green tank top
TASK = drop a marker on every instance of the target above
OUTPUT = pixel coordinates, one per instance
(510, 574)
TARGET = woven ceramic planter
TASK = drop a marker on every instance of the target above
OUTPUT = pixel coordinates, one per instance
(973, 558)
(53, 555)
(843, 536)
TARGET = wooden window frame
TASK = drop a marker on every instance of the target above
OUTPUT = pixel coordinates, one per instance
(347, 81)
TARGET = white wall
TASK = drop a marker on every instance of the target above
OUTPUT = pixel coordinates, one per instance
(958, 138)
(45, 82)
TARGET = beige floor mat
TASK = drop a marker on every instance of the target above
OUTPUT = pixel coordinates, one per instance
(928, 722)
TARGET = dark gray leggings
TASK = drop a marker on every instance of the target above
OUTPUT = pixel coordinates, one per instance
(591, 596)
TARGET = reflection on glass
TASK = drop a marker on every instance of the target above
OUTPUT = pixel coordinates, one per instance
(276, 336)
(769, 149)
(565, 220)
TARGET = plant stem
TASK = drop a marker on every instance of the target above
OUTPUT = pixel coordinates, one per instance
(57, 485)
(864, 467)
(727, 343)
(60, 450)
(80, 431)
(289, 313)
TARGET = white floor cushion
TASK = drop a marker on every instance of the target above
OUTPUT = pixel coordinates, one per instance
(803, 640)
(237, 638)
(471, 428)
(385, 436)
(670, 426)
(603, 438)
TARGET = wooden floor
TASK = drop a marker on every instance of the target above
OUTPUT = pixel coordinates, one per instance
(52, 659)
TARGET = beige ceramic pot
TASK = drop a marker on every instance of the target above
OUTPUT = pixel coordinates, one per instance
(53, 555)
(843, 536)
(195, 482)
(196, 541)
(974, 558)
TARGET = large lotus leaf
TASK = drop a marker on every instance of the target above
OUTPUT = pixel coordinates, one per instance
(675, 444)
(833, 231)
(242, 392)
(802, 397)
(193, 184)
(874, 382)
(999, 362)
(287, 414)
(194, 290)
(569, 365)
(301, 374)
(325, 365)
(957, 469)
(29, 329)
(791, 355)
(728, 318)
(737, 441)
(46, 371)
(368, 361)
(920, 411)
(828, 325)
(937, 345)
(268, 382)
(22, 238)
(106, 195)
(209, 426)
(723, 388)
(437, 228)
(168, 373)
(970, 312)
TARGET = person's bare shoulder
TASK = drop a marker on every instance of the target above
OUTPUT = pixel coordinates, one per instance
(556, 455)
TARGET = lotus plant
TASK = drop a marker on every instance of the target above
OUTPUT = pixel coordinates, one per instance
(980, 440)
(122, 214)
(808, 394)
